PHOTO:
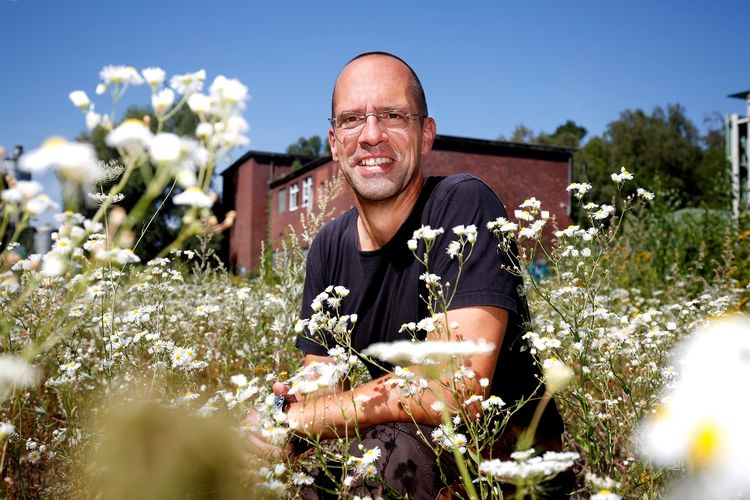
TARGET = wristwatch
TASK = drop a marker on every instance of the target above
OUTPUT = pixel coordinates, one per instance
(281, 403)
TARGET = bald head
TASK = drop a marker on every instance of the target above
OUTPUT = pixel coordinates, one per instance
(416, 92)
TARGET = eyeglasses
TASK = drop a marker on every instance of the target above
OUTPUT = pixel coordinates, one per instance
(347, 125)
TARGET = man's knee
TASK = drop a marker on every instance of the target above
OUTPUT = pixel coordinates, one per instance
(406, 462)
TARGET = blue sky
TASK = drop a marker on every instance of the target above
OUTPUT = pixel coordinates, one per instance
(486, 66)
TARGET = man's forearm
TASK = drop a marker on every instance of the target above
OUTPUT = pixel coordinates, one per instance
(379, 401)
(386, 399)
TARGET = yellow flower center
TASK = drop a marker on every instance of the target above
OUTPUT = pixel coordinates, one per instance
(134, 121)
(54, 142)
(706, 443)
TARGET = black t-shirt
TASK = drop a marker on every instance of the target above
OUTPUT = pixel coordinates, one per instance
(385, 287)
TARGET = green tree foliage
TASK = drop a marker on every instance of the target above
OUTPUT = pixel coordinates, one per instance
(312, 146)
(567, 135)
(664, 148)
(521, 133)
(666, 151)
(165, 225)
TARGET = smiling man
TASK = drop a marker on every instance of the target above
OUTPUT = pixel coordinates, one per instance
(380, 129)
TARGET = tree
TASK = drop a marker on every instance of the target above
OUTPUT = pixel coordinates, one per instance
(311, 146)
(521, 133)
(567, 135)
(665, 150)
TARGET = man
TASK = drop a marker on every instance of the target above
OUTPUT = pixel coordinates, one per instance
(380, 131)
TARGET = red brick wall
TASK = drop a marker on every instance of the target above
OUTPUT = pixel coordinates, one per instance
(251, 198)
(251, 203)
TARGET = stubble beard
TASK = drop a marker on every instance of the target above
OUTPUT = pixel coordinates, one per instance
(379, 187)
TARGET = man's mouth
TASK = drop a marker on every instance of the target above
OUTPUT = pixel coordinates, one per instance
(373, 162)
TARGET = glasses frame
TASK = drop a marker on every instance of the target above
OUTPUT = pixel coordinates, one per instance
(340, 132)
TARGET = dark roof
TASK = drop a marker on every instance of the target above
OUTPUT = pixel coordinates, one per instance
(740, 95)
(466, 145)
(504, 148)
(266, 157)
(305, 168)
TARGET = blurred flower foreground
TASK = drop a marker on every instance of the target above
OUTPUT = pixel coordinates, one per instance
(122, 377)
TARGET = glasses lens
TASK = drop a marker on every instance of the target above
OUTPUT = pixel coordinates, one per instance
(350, 121)
(394, 119)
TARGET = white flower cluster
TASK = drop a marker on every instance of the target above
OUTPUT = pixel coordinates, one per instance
(448, 439)
(407, 381)
(425, 233)
(102, 198)
(427, 351)
(36, 451)
(644, 195)
(524, 466)
(272, 480)
(27, 196)
(603, 486)
(466, 234)
(528, 212)
(364, 465)
(316, 376)
(623, 176)
(69, 250)
(469, 232)
(326, 318)
(221, 128)
(576, 232)
(244, 390)
(579, 189)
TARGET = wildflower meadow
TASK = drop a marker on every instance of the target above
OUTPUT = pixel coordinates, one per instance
(121, 377)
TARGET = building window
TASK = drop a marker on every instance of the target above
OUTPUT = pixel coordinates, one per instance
(307, 193)
(293, 191)
(282, 201)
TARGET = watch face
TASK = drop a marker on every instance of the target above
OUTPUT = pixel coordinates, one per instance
(280, 403)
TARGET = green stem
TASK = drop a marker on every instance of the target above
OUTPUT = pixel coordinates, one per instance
(526, 440)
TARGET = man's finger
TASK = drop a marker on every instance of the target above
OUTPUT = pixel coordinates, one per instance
(280, 389)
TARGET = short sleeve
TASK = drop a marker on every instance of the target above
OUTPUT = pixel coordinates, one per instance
(485, 278)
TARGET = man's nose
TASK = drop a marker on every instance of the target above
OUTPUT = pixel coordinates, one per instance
(372, 131)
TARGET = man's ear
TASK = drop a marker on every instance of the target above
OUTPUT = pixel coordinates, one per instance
(332, 142)
(429, 130)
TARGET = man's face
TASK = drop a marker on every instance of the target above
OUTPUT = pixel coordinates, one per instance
(379, 163)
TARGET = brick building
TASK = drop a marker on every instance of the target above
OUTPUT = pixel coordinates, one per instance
(268, 194)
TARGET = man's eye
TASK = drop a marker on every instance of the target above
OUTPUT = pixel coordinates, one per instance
(394, 115)
(349, 119)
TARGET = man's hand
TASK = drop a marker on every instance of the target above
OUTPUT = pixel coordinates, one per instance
(258, 446)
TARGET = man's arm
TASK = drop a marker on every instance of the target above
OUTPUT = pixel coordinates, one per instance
(378, 401)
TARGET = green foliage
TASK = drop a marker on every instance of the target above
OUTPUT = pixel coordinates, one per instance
(312, 146)
(664, 147)
(567, 135)
(666, 247)
(666, 150)
(521, 133)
